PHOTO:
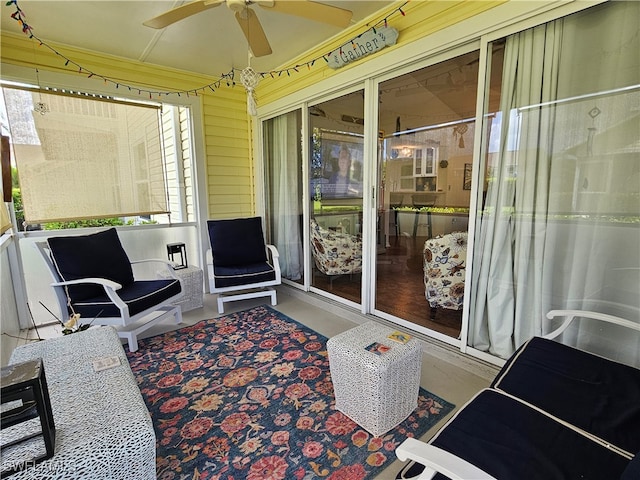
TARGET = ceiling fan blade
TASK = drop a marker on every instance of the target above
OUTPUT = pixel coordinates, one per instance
(313, 11)
(254, 33)
(181, 12)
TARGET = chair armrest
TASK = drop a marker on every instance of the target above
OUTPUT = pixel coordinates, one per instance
(273, 250)
(152, 260)
(96, 281)
(437, 460)
(571, 314)
(275, 261)
(144, 273)
(109, 286)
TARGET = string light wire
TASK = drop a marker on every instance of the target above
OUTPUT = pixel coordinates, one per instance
(225, 78)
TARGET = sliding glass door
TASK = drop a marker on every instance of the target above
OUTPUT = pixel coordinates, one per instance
(558, 227)
(426, 122)
(336, 166)
(335, 174)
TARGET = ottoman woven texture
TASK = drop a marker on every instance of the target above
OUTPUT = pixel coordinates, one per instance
(377, 391)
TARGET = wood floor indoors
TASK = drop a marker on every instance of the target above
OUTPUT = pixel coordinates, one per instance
(399, 286)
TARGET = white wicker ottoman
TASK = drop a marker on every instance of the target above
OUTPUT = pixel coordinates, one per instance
(375, 391)
(103, 428)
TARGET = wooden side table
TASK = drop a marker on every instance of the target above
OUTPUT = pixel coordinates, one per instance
(26, 396)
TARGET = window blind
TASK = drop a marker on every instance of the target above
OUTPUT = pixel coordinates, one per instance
(82, 157)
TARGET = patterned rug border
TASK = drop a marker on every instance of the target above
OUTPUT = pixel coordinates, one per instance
(321, 443)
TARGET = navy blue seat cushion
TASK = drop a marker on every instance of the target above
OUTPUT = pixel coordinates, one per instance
(243, 275)
(632, 472)
(595, 394)
(237, 242)
(510, 440)
(99, 255)
(410, 470)
(139, 296)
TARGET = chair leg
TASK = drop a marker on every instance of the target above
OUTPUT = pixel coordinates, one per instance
(131, 331)
(433, 313)
(232, 297)
(131, 338)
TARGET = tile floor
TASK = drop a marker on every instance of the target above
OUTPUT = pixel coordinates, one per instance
(445, 372)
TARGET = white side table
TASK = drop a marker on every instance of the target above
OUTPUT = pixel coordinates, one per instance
(192, 278)
(375, 391)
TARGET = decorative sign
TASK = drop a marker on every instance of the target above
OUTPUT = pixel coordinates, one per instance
(369, 42)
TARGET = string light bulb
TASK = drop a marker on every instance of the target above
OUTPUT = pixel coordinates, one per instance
(27, 29)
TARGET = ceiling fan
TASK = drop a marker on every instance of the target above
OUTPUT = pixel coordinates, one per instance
(248, 20)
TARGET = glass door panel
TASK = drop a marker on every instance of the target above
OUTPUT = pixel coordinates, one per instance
(283, 167)
(558, 227)
(426, 125)
(336, 180)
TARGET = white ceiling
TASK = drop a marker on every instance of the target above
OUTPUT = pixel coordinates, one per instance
(210, 42)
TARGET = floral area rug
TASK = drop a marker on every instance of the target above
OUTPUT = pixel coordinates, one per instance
(249, 396)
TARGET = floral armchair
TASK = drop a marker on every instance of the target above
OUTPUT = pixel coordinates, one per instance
(335, 253)
(445, 259)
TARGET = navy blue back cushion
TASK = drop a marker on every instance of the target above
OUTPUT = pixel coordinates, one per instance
(237, 242)
(98, 255)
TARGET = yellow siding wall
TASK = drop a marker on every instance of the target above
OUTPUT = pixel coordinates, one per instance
(230, 166)
(226, 123)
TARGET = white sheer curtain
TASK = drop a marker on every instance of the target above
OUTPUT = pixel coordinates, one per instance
(557, 229)
(282, 151)
(507, 271)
